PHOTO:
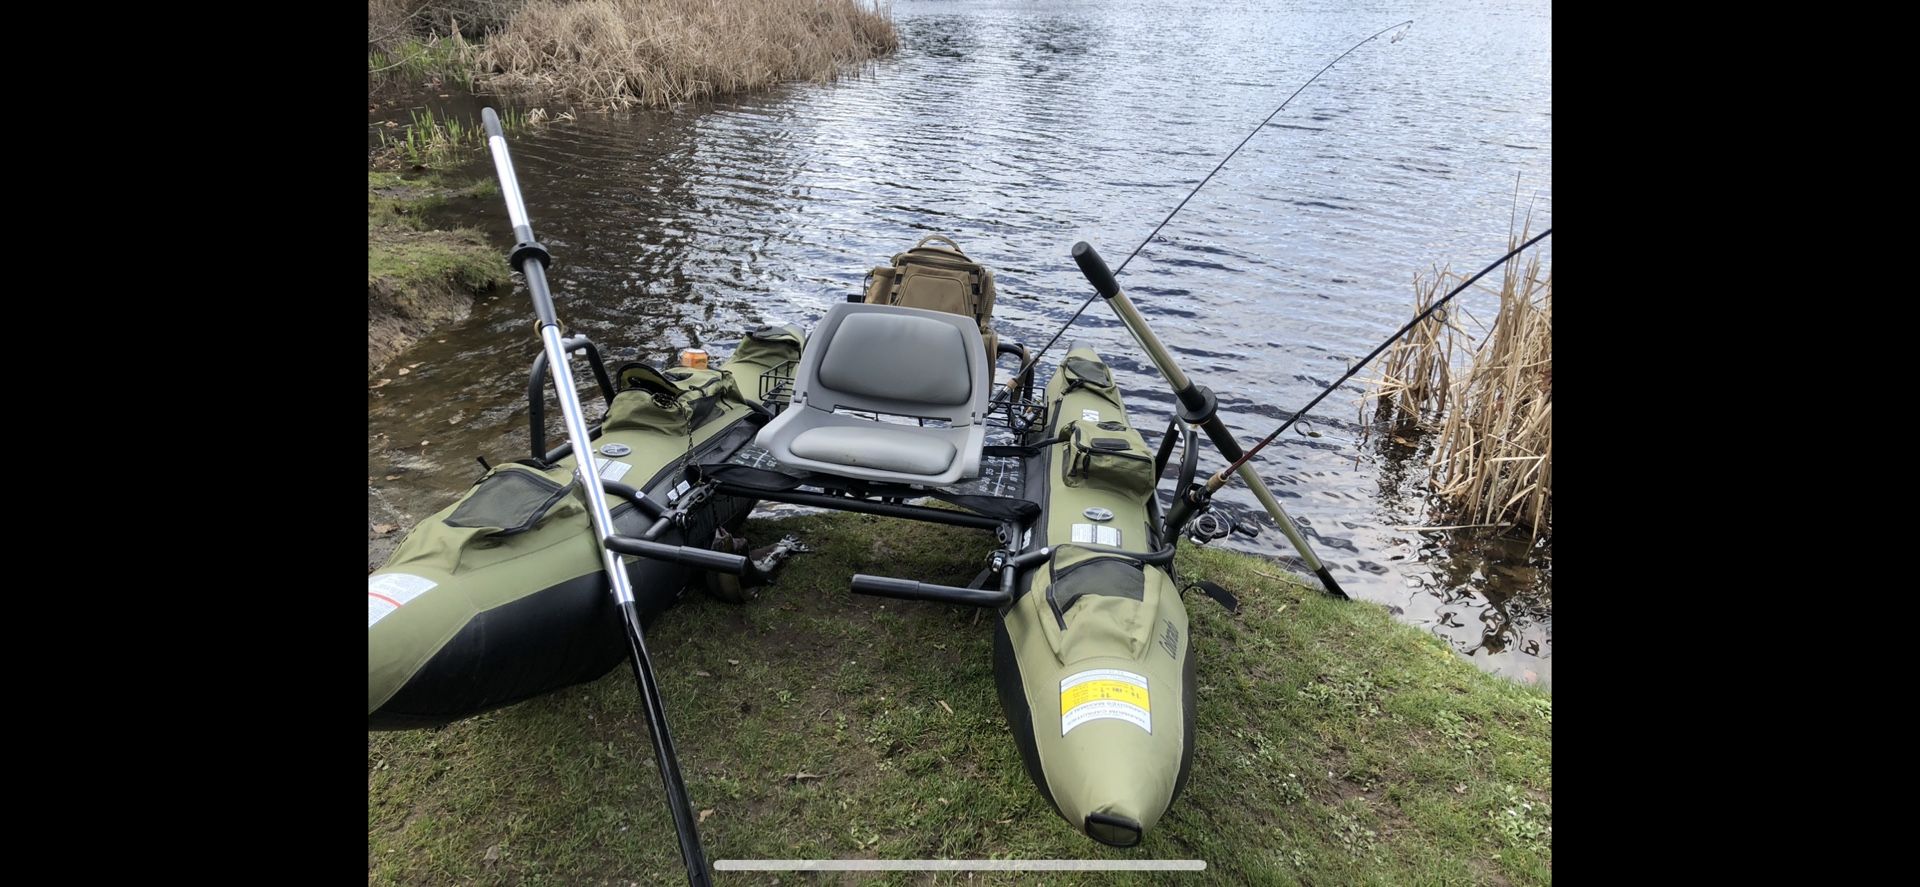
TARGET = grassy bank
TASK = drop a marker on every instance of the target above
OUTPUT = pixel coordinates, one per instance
(419, 277)
(1333, 744)
(622, 52)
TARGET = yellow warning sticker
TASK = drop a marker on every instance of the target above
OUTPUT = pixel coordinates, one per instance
(1093, 691)
(1108, 693)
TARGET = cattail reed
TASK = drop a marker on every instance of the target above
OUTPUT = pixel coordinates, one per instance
(1489, 410)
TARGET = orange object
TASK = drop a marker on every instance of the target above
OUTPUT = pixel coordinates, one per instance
(693, 357)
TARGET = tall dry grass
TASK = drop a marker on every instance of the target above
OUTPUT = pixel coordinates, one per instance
(1417, 371)
(626, 52)
(1491, 410)
(392, 24)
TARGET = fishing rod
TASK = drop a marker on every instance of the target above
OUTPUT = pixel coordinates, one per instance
(1198, 405)
(1219, 480)
(1203, 183)
(531, 259)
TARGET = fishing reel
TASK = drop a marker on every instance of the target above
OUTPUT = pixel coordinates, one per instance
(1210, 524)
(1207, 527)
(1192, 512)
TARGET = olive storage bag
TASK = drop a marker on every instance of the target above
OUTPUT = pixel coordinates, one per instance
(1108, 456)
(938, 278)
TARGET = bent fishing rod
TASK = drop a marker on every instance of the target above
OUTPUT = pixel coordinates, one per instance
(1198, 405)
(531, 259)
(1203, 183)
(1220, 479)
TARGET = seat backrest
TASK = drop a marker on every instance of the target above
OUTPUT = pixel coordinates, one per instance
(901, 361)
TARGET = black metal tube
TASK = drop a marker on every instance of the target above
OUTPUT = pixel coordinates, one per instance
(653, 510)
(1188, 498)
(1023, 561)
(537, 408)
(1023, 376)
(863, 506)
(537, 396)
(536, 275)
(909, 590)
(702, 558)
(562, 451)
(668, 760)
(1189, 458)
(1222, 438)
(1095, 269)
(599, 366)
(1166, 449)
(1183, 510)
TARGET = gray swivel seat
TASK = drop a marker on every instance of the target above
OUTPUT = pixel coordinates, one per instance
(892, 360)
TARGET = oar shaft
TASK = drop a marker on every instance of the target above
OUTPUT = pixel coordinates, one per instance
(1143, 333)
(524, 246)
(561, 369)
(685, 827)
(533, 266)
(530, 258)
(1198, 406)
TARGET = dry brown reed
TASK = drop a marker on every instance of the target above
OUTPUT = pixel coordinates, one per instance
(625, 52)
(1418, 369)
(1491, 413)
(394, 23)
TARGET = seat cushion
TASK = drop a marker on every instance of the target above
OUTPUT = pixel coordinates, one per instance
(876, 446)
(896, 357)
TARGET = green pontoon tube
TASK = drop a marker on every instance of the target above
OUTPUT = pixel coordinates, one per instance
(501, 596)
(1091, 658)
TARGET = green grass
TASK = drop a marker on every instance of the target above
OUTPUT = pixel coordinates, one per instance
(1334, 745)
(406, 251)
(429, 140)
(436, 61)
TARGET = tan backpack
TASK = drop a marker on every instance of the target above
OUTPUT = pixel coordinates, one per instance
(938, 279)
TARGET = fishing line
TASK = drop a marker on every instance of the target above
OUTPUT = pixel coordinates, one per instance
(1203, 183)
(1221, 477)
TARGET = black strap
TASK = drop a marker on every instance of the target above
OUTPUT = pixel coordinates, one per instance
(1019, 451)
(748, 477)
(1000, 507)
(1220, 595)
(705, 409)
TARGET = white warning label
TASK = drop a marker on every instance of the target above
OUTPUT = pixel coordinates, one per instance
(1089, 415)
(387, 591)
(613, 469)
(1094, 534)
(1104, 693)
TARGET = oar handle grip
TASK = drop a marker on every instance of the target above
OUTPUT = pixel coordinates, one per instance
(491, 121)
(1096, 270)
(700, 558)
